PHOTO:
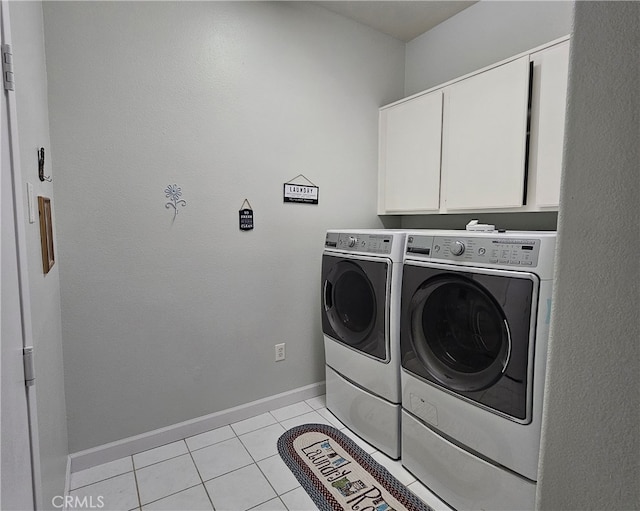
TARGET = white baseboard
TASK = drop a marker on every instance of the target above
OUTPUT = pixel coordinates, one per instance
(67, 482)
(135, 444)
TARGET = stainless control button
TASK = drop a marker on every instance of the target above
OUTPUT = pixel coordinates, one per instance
(457, 248)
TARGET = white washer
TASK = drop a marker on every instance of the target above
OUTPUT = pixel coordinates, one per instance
(361, 278)
(474, 331)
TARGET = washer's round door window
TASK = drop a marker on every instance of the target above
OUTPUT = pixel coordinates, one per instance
(353, 303)
(459, 333)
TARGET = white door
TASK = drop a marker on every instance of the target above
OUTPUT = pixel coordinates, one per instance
(410, 142)
(16, 490)
(549, 105)
(484, 138)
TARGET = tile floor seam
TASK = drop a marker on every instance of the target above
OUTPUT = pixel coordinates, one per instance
(167, 496)
(274, 417)
(208, 496)
(289, 491)
(132, 456)
(277, 497)
(231, 424)
(247, 449)
(164, 471)
(294, 416)
(214, 443)
(161, 461)
(265, 476)
(261, 503)
(135, 478)
(100, 480)
(201, 479)
(229, 472)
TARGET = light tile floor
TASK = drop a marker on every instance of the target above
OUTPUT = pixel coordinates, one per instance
(232, 468)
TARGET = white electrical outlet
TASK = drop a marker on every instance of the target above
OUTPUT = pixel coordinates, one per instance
(280, 353)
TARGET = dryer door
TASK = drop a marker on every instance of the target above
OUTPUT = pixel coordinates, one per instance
(470, 333)
(354, 298)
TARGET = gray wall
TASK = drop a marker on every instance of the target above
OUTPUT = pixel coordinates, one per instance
(590, 443)
(33, 129)
(481, 35)
(167, 320)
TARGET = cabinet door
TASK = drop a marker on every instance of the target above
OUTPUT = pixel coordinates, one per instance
(550, 72)
(410, 145)
(484, 138)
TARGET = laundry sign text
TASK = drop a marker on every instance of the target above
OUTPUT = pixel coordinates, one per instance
(303, 194)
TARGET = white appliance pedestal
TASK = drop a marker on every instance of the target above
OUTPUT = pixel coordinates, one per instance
(372, 418)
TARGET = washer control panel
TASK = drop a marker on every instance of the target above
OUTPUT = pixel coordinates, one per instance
(358, 242)
(503, 251)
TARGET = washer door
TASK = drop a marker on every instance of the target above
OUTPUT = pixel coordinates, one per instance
(459, 333)
(354, 303)
(471, 333)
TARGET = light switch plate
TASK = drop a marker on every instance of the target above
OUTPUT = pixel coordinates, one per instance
(31, 204)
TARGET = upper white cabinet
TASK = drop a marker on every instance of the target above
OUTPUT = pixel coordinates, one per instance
(484, 138)
(410, 140)
(489, 141)
(549, 100)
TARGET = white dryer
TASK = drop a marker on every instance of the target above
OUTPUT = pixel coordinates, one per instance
(361, 278)
(474, 330)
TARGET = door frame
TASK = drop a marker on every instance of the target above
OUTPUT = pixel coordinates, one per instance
(10, 103)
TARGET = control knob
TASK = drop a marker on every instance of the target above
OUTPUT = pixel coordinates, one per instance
(457, 248)
(352, 241)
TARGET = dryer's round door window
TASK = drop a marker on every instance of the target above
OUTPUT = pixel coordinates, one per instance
(354, 303)
(459, 333)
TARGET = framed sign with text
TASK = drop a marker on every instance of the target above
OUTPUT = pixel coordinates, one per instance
(301, 193)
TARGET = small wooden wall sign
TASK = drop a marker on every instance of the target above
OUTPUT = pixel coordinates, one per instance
(46, 234)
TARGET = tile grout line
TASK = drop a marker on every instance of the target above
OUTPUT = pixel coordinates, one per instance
(200, 476)
(135, 478)
(189, 452)
(161, 461)
(100, 481)
(235, 435)
(255, 462)
(170, 495)
(225, 473)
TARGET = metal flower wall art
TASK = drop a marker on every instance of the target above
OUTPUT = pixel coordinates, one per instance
(173, 193)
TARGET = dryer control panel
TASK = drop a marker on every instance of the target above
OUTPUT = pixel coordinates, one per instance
(358, 242)
(503, 251)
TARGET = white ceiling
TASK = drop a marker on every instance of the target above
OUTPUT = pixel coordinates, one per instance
(399, 19)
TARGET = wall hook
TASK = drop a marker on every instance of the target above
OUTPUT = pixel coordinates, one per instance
(41, 166)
